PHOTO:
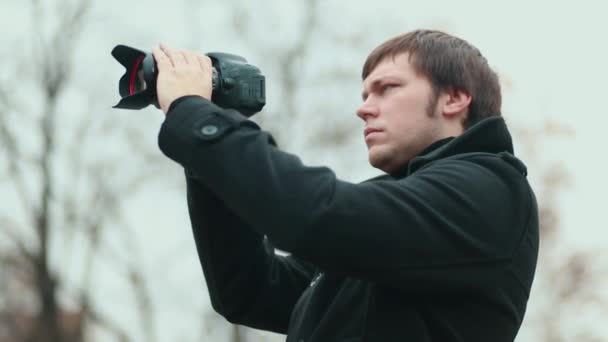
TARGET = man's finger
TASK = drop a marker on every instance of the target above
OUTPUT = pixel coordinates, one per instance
(175, 56)
(189, 56)
(204, 61)
(160, 57)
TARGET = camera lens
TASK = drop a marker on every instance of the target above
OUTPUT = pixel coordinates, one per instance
(137, 81)
(140, 82)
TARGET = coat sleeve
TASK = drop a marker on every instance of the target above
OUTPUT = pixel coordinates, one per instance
(452, 225)
(248, 283)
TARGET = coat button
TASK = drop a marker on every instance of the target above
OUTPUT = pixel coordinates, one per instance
(209, 130)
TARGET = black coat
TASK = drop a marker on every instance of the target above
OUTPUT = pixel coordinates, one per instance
(444, 251)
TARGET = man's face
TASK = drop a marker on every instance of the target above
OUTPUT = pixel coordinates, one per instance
(401, 113)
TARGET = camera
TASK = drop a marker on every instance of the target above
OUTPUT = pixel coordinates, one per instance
(236, 84)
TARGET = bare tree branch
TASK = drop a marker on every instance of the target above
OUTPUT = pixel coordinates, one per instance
(144, 302)
(10, 144)
(103, 321)
(10, 227)
(289, 62)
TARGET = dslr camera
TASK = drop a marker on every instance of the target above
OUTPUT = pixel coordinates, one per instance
(236, 84)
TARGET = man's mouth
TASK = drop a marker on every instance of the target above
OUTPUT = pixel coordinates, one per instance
(369, 130)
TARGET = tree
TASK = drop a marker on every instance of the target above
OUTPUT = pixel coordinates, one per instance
(566, 278)
(65, 194)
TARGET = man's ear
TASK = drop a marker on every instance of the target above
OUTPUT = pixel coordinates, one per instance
(456, 104)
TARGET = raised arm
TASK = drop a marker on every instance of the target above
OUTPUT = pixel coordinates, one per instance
(453, 225)
(248, 284)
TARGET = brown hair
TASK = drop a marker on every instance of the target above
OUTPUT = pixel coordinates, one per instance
(449, 63)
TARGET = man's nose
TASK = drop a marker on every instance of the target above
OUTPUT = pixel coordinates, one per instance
(366, 110)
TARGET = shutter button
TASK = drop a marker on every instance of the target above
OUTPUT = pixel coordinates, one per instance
(209, 130)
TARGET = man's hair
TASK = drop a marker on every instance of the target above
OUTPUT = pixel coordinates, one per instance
(449, 63)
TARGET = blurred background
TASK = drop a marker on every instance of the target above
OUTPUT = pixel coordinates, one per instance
(95, 241)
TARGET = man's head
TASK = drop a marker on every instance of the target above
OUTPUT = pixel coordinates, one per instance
(421, 87)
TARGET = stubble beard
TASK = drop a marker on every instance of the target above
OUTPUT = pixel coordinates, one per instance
(385, 159)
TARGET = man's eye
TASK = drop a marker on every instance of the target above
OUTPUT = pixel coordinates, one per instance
(387, 87)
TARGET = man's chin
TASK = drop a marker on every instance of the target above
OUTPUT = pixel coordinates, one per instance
(384, 159)
(378, 158)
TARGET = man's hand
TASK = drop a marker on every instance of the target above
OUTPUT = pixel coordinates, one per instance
(181, 73)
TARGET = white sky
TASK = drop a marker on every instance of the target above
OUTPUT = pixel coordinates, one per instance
(553, 55)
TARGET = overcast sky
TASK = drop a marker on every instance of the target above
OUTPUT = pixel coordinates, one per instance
(550, 55)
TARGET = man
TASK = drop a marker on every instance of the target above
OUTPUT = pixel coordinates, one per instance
(441, 248)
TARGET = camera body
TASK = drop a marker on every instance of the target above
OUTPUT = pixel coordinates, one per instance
(236, 84)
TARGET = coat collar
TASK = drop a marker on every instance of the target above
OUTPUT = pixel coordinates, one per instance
(489, 135)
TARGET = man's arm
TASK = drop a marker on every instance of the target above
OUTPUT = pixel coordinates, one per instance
(248, 284)
(453, 225)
